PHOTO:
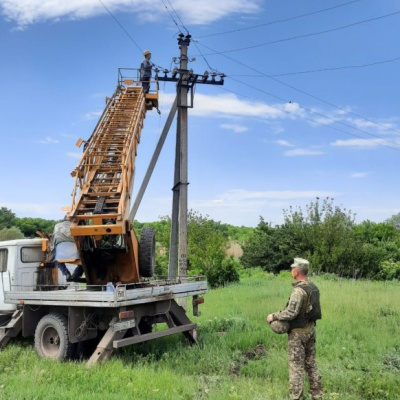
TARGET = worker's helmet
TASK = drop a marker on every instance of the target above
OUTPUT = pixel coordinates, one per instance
(146, 52)
(280, 327)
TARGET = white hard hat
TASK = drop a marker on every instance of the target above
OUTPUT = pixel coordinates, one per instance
(146, 52)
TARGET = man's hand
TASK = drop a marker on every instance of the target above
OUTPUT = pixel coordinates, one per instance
(270, 318)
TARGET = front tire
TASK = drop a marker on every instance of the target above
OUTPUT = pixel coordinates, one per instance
(52, 339)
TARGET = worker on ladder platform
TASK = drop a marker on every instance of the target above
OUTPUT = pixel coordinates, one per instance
(145, 71)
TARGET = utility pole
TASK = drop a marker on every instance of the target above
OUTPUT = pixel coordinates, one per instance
(186, 81)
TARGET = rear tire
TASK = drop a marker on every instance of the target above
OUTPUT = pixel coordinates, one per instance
(52, 339)
(147, 252)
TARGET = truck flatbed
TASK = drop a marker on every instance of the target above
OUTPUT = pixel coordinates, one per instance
(98, 296)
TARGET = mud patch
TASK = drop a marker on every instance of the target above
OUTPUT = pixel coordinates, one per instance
(258, 353)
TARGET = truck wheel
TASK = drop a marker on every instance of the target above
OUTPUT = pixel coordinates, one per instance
(51, 337)
(147, 252)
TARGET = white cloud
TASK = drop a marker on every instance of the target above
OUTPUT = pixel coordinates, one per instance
(26, 12)
(75, 155)
(372, 126)
(48, 140)
(244, 207)
(241, 194)
(36, 210)
(92, 115)
(358, 175)
(283, 143)
(302, 152)
(235, 128)
(360, 143)
(231, 105)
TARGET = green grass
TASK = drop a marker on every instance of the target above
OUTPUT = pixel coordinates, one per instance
(237, 356)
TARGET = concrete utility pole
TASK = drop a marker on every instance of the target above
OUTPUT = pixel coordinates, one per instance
(186, 81)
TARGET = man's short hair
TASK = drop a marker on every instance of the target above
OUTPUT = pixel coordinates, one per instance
(302, 264)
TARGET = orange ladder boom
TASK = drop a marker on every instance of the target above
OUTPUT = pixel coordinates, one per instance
(103, 184)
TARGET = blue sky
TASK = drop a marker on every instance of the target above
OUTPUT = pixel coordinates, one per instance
(309, 108)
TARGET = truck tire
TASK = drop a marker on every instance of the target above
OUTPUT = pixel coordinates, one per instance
(51, 337)
(147, 252)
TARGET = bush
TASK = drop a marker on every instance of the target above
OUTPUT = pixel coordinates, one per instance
(11, 233)
(228, 272)
(389, 270)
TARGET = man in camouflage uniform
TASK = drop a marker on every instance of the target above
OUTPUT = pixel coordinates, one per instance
(301, 333)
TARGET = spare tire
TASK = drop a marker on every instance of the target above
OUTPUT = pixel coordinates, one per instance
(147, 252)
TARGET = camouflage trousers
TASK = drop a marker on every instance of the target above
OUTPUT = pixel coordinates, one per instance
(301, 348)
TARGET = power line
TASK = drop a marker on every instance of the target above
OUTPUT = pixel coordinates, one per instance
(302, 91)
(172, 17)
(257, 71)
(390, 145)
(305, 35)
(279, 21)
(325, 69)
(115, 19)
(183, 25)
(337, 68)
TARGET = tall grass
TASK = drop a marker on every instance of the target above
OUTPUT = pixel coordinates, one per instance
(237, 356)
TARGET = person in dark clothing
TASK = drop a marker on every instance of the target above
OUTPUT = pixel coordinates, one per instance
(145, 71)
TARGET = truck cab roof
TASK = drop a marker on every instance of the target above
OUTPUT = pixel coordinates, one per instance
(21, 242)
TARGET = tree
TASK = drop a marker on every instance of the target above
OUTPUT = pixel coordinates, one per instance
(10, 233)
(269, 248)
(29, 226)
(7, 218)
(206, 248)
(378, 246)
(323, 235)
(207, 243)
(394, 220)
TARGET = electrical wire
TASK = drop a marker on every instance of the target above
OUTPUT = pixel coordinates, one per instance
(187, 31)
(120, 25)
(304, 36)
(177, 16)
(304, 92)
(271, 77)
(389, 144)
(279, 21)
(324, 69)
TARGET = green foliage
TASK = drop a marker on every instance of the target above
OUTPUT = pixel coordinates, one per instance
(394, 220)
(389, 270)
(321, 234)
(269, 248)
(11, 233)
(207, 244)
(228, 272)
(7, 218)
(29, 226)
(328, 237)
(391, 360)
(237, 355)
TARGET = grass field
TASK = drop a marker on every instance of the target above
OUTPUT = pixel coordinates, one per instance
(238, 356)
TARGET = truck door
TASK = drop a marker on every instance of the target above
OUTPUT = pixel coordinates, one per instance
(5, 258)
(29, 259)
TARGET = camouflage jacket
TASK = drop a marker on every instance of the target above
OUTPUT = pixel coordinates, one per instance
(294, 305)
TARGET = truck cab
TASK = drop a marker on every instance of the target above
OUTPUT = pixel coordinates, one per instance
(23, 267)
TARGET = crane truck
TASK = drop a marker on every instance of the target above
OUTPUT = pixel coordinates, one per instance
(118, 302)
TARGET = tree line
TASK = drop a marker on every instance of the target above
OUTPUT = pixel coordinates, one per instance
(329, 238)
(324, 233)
